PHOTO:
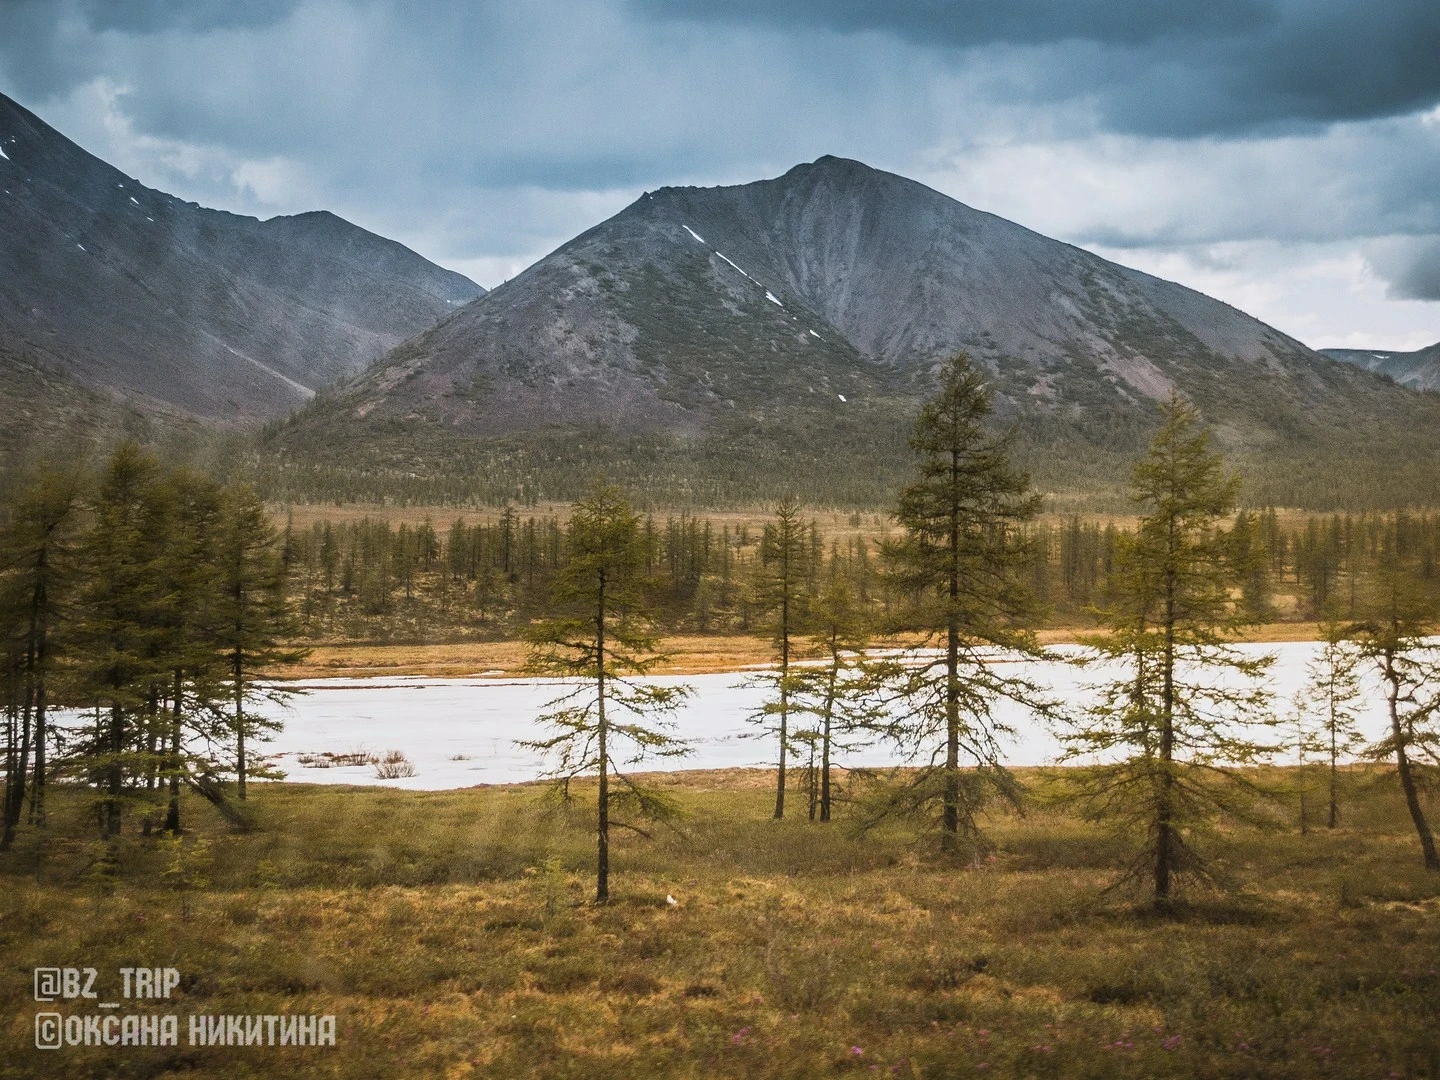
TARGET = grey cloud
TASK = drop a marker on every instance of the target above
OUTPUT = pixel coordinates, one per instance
(569, 96)
(148, 16)
(34, 54)
(1156, 66)
(968, 24)
(1411, 266)
(484, 133)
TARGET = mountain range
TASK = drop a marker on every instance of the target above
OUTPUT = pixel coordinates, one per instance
(175, 308)
(1419, 370)
(780, 334)
(704, 345)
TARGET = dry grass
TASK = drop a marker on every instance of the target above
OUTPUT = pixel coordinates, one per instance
(452, 935)
(690, 654)
(837, 525)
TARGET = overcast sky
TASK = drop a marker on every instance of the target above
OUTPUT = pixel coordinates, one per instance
(1283, 155)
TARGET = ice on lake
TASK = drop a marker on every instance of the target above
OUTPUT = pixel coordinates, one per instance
(461, 732)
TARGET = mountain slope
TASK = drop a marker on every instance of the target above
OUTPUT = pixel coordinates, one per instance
(217, 315)
(779, 334)
(1419, 370)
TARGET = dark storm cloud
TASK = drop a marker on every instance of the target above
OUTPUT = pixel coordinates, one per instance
(1412, 268)
(1160, 66)
(148, 16)
(484, 133)
(968, 24)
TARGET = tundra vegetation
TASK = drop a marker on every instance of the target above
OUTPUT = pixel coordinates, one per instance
(1155, 907)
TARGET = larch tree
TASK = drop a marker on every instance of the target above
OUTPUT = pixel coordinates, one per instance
(841, 688)
(118, 621)
(600, 642)
(959, 563)
(1332, 696)
(1306, 737)
(1173, 718)
(189, 626)
(1394, 637)
(37, 574)
(781, 589)
(253, 621)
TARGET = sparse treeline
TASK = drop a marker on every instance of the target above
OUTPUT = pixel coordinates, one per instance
(146, 601)
(373, 580)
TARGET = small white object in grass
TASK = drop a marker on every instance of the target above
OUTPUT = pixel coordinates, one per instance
(772, 298)
(134, 200)
(149, 219)
(670, 901)
(813, 334)
(693, 233)
(80, 246)
(840, 396)
(3, 154)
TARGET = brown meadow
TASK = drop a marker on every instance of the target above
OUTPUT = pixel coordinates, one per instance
(451, 935)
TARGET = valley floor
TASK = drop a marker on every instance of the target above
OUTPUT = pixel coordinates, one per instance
(451, 935)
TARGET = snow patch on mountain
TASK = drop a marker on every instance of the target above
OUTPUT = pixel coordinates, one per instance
(733, 263)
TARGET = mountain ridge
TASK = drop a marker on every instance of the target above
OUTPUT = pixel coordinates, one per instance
(717, 322)
(221, 316)
(1418, 369)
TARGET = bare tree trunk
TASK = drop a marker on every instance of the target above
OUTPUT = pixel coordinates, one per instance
(952, 738)
(37, 788)
(1334, 771)
(152, 737)
(240, 722)
(784, 688)
(41, 637)
(812, 783)
(1402, 765)
(115, 772)
(952, 679)
(825, 739)
(602, 859)
(11, 717)
(172, 815)
(15, 794)
(1164, 809)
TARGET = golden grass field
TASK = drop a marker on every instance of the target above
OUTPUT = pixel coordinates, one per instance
(452, 935)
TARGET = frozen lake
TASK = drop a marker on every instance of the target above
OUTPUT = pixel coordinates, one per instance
(460, 732)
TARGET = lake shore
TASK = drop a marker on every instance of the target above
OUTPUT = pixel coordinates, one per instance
(688, 654)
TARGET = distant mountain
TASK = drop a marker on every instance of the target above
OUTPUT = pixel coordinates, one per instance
(1419, 370)
(720, 344)
(131, 292)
